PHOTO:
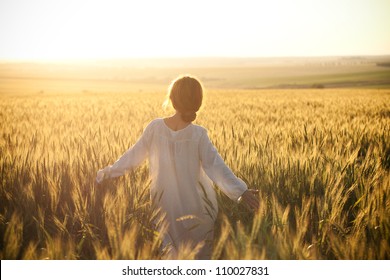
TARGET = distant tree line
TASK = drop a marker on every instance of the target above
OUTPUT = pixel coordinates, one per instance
(383, 64)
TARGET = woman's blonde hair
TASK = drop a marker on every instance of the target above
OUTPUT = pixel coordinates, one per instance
(186, 94)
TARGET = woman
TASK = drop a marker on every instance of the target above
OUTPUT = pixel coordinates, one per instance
(182, 161)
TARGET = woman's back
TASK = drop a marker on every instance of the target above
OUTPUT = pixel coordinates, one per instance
(179, 185)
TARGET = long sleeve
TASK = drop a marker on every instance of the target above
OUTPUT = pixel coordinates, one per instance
(218, 172)
(129, 160)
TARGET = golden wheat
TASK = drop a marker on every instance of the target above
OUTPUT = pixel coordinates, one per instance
(320, 159)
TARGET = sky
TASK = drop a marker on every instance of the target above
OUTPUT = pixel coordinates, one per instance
(105, 29)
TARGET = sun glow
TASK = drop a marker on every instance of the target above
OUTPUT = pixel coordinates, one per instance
(44, 29)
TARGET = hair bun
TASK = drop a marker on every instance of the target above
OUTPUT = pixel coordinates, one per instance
(188, 116)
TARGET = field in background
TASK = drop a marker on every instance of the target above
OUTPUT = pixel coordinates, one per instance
(145, 75)
(320, 158)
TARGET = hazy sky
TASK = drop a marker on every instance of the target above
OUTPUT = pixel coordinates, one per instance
(68, 29)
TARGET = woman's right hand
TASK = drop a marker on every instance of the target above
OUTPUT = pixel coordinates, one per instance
(250, 199)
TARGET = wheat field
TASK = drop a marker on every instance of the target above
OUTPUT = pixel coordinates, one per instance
(320, 158)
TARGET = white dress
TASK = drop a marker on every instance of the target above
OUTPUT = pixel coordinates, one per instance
(181, 166)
